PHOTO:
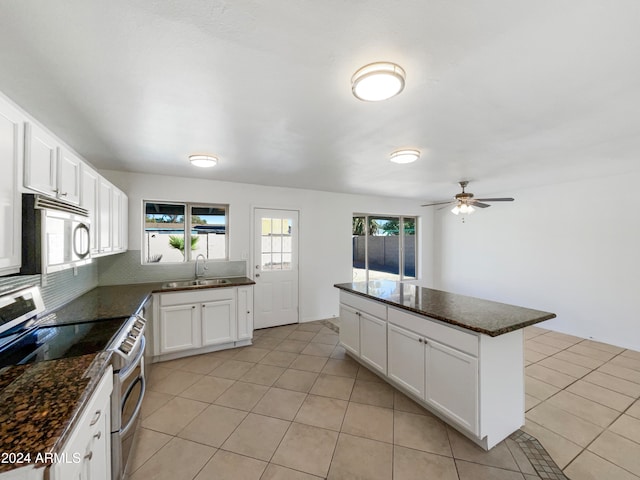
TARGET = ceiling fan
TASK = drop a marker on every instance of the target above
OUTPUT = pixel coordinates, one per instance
(464, 201)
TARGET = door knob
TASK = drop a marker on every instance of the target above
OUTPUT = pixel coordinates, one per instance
(257, 274)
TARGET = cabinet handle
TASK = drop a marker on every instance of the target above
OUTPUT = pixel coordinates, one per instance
(96, 418)
(98, 435)
(63, 194)
(193, 306)
(420, 340)
(248, 312)
(89, 455)
(55, 190)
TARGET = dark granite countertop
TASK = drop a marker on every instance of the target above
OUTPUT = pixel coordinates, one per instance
(483, 316)
(39, 402)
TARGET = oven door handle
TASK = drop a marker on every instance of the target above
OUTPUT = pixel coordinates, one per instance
(136, 411)
(123, 374)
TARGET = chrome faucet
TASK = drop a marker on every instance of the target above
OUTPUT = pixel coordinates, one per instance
(204, 265)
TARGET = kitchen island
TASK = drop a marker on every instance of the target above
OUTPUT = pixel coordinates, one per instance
(460, 357)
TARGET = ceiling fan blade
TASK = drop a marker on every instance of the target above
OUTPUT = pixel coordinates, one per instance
(438, 203)
(446, 205)
(509, 199)
(480, 204)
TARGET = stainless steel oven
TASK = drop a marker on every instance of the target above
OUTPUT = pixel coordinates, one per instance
(129, 385)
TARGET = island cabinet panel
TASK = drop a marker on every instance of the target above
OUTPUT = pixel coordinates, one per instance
(406, 360)
(373, 342)
(452, 383)
(350, 329)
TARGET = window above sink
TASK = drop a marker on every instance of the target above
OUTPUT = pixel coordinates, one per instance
(176, 232)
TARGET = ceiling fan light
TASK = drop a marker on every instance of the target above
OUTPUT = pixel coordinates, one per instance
(455, 210)
(377, 81)
(407, 155)
(464, 208)
(470, 209)
(203, 161)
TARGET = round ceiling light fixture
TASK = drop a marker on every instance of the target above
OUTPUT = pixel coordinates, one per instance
(406, 155)
(378, 81)
(203, 161)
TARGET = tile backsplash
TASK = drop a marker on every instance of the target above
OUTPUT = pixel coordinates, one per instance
(126, 268)
(60, 287)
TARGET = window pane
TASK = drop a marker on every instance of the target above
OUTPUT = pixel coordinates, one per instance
(209, 231)
(358, 248)
(277, 261)
(266, 261)
(409, 264)
(277, 244)
(383, 248)
(286, 244)
(266, 226)
(266, 245)
(164, 232)
(286, 261)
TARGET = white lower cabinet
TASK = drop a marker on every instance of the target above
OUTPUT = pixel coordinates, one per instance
(178, 328)
(219, 321)
(196, 321)
(87, 453)
(350, 329)
(245, 313)
(373, 342)
(451, 383)
(406, 359)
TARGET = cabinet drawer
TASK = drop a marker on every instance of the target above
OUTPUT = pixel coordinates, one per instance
(361, 304)
(206, 295)
(448, 335)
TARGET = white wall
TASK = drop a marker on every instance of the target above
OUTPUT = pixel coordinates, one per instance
(572, 249)
(325, 226)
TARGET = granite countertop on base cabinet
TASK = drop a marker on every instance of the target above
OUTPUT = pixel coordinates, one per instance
(476, 314)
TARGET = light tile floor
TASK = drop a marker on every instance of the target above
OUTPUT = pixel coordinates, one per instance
(293, 406)
(583, 404)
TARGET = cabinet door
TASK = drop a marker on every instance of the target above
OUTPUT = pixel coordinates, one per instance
(452, 383)
(406, 359)
(89, 200)
(219, 321)
(350, 329)
(116, 210)
(373, 342)
(40, 160)
(99, 465)
(179, 328)
(124, 222)
(245, 313)
(68, 176)
(104, 216)
(11, 135)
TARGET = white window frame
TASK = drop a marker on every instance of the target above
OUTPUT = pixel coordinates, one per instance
(188, 257)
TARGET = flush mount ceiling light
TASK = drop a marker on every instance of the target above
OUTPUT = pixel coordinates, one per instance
(203, 161)
(405, 156)
(378, 81)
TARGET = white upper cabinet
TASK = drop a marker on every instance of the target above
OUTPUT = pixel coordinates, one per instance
(69, 176)
(40, 160)
(105, 203)
(49, 168)
(11, 135)
(89, 185)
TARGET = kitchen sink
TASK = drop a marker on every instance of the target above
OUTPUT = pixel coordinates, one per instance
(203, 282)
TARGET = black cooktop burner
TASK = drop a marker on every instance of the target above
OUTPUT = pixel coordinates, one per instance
(61, 341)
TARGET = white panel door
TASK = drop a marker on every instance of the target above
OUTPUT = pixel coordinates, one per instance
(10, 201)
(40, 160)
(275, 267)
(452, 383)
(219, 322)
(373, 342)
(406, 359)
(179, 328)
(69, 176)
(350, 329)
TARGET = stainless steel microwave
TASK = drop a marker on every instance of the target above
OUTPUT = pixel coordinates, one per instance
(55, 235)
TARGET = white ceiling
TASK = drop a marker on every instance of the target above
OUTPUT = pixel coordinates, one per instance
(506, 93)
